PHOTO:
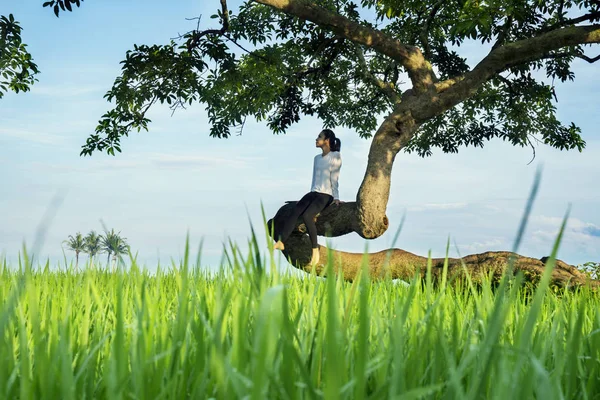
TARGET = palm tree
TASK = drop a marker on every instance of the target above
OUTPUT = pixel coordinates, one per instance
(93, 245)
(106, 243)
(114, 244)
(77, 244)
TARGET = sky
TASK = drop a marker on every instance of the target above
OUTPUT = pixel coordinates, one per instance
(176, 179)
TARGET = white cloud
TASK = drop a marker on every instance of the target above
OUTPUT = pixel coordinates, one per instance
(266, 185)
(486, 245)
(122, 163)
(492, 208)
(437, 206)
(573, 225)
(52, 167)
(67, 90)
(200, 161)
(143, 161)
(31, 136)
(579, 236)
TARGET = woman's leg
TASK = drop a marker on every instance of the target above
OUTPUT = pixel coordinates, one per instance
(290, 223)
(320, 202)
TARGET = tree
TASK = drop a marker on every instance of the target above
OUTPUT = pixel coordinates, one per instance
(77, 244)
(115, 245)
(344, 62)
(17, 69)
(93, 244)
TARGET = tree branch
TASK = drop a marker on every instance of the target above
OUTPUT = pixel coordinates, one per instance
(453, 91)
(197, 35)
(566, 54)
(503, 33)
(509, 85)
(410, 57)
(588, 59)
(324, 68)
(423, 36)
(532, 149)
(565, 22)
(384, 87)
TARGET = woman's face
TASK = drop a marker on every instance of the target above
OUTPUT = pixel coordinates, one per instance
(321, 141)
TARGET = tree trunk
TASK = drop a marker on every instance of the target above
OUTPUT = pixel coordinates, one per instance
(372, 198)
(76, 260)
(400, 264)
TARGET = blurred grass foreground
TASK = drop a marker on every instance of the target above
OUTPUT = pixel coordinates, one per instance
(251, 331)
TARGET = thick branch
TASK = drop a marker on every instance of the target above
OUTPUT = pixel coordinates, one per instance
(400, 264)
(410, 57)
(335, 220)
(453, 91)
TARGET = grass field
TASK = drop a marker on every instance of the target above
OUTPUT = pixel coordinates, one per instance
(250, 331)
(253, 332)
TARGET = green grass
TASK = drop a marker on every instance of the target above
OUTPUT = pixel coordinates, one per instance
(250, 331)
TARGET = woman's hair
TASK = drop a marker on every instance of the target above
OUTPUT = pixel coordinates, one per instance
(334, 143)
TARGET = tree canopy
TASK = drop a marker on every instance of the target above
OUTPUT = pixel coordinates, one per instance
(344, 62)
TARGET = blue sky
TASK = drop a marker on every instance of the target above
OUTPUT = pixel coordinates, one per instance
(176, 178)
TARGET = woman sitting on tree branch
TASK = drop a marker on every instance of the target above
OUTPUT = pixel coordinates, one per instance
(323, 191)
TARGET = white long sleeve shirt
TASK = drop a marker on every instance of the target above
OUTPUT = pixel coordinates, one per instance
(326, 172)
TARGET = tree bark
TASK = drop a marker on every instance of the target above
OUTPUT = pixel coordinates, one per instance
(400, 264)
(373, 194)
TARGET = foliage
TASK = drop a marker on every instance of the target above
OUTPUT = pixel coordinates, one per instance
(17, 69)
(64, 5)
(76, 243)
(592, 269)
(113, 244)
(240, 333)
(501, 109)
(275, 67)
(93, 243)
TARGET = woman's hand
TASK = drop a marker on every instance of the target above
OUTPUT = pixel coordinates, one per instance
(338, 202)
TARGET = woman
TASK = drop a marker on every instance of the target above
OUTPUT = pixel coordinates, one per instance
(323, 191)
